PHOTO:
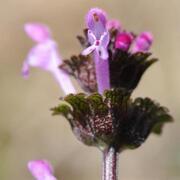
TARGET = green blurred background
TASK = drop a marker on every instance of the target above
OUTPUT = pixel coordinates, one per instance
(27, 129)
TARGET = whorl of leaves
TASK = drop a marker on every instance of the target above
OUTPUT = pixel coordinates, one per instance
(126, 70)
(113, 119)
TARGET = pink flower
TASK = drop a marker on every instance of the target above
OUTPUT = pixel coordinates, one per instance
(98, 35)
(41, 170)
(38, 32)
(45, 55)
(123, 41)
(143, 42)
(113, 24)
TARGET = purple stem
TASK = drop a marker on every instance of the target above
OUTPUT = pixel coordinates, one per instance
(102, 73)
(110, 158)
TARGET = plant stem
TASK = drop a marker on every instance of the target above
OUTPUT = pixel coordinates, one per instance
(110, 158)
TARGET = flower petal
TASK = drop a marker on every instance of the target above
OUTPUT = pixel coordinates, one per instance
(42, 56)
(64, 81)
(104, 40)
(103, 53)
(45, 56)
(41, 170)
(37, 32)
(91, 37)
(96, 21)
(95, 15)
(88, 50)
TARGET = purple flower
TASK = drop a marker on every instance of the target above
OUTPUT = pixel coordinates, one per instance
(98, 35)
(143, 42)
(41, 170)
(113, 24)
(45, 55)
(123, 41)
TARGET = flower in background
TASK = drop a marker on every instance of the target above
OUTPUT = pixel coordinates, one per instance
(41, 170)
(113, 24)
(98, 35)
(45, 55)
(143, 42)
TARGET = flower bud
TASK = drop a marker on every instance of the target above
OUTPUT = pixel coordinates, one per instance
(113, 24)
(143, 42)
(123, 41)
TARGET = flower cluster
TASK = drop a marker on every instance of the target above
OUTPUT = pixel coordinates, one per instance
(114, 57)
(45, 55)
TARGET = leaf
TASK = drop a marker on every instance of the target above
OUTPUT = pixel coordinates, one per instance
(82, 69)
(126, 70)
(143, 117)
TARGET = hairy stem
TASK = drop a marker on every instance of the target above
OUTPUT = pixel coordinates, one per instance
(110, 158)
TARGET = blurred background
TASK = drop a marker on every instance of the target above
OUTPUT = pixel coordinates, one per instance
(27, 129)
